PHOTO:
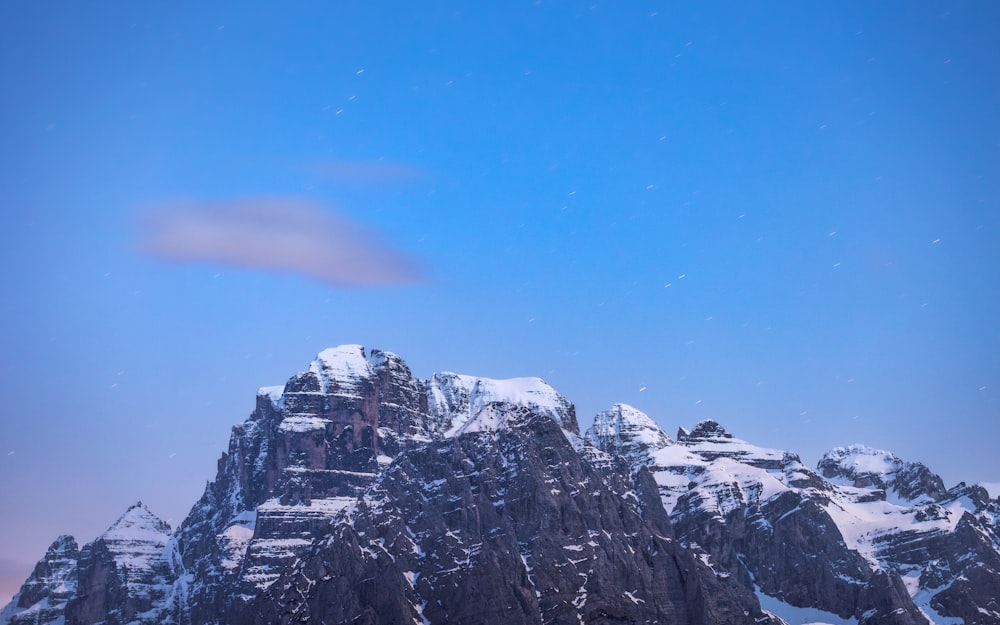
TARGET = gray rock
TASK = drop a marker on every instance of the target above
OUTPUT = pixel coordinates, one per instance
(51, 585)
(503, 526)
(358, 493)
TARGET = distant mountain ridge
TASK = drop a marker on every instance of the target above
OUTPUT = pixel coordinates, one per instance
(356, 493)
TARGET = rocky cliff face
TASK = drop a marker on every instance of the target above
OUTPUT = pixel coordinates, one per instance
(358, 493)
(864, 467)
(121, 577)
(44, 595)
(943, 543)
(125, 573)
(626, 434)
(869, 539)
(506, 524)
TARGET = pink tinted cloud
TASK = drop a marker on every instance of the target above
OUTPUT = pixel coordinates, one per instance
(276, 233)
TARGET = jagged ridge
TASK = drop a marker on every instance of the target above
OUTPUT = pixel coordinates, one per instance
(460, 492)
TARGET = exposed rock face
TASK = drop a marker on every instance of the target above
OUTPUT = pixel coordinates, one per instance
(358, 493)
(864, 467)
(872, 538)
(945, 544)
(504, 525)
(627, 433)
(125, 573)
(759, 516)
(43, 596)
(454, 399)
(309, 450)
(118, 578)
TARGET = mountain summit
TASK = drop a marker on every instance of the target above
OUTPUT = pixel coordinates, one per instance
(357, 493)
(862, 467)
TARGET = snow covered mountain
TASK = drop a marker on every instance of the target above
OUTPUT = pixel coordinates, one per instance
(44, 595)
(122, 576)
(869, 538)
(358, 493)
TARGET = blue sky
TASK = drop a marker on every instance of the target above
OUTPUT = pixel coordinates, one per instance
(782, 216)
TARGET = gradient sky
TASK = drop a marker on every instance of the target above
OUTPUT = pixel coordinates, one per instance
(780, 215)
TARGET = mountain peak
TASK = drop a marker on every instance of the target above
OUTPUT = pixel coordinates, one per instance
(138, 524)
(379, 357)
(357, 491)
(866, 467)
(705, 430)
(627, 432)
(343, 363)
(63, 544)
(342, 353)
(456, 399)
(862, 460)
(44, 595)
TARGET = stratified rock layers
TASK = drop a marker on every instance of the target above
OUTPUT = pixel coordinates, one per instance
(356, 493)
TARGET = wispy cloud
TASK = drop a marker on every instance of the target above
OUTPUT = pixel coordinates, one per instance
(275, 233)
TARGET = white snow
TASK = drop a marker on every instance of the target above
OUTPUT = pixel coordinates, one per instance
(343, 361)
(922, 599)
(329, 506)
(303, 423)
(794, 615)
(722, 474)
(861, 461)
(637, 426)
(734, 484)
(236, 537)
(341, 369)
(458, 399)
(488, 419)
(273, 393)
(736, 448)
(863, 523)
(677, 456)
(631, 596)
(729, 471)
(866, 460)
(627, 432)
(137, 539)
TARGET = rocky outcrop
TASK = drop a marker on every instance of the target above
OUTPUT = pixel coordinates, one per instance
(44, 595)
(864, 467)
(125, 573)
(627, 434)
(359, 493)
(310, 449)
(502, 526)
(872, 537)
(123, 576)
(454, 399)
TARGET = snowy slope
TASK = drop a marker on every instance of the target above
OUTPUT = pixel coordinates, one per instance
(453, 399)
(867, 539)
(130, 559)
(896, 525)
(137, 541)
(44, 595)
(631, 433)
